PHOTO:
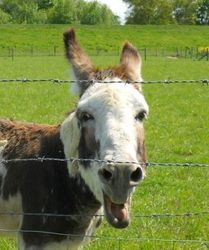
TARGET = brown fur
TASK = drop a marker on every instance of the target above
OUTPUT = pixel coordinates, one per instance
(24, 138)
(128, 69)
(81, 63)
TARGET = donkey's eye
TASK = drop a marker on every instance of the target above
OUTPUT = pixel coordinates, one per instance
(86, 117)
(141, 115)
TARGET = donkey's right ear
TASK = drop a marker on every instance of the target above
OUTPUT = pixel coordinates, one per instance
(81, 63)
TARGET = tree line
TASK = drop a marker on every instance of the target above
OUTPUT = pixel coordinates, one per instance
(82, 12)
(168, 12)
(56, 12)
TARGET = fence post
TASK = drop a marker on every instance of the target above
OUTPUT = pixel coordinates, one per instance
(177, 52)
(12, 53)
(119, 244)
(163, 52)
(9, 52)
(207, 54)
(31, 50)
(55, 50)
(197, 52)
(145, 54)
(185, 53)
(191, 52)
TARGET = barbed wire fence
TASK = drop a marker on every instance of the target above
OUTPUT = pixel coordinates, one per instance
(61, 81)
(186, 214)
(194, 53)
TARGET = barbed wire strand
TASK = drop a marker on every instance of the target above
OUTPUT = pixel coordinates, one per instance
(59, 81)
(158, 215)
(149, 164)
(106, 237)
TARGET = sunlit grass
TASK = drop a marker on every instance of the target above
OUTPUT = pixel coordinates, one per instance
(176, 131)
(45, 38)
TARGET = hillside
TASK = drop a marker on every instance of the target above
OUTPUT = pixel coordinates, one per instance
(108, 38)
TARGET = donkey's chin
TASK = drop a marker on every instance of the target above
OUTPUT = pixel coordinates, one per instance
(116, 214)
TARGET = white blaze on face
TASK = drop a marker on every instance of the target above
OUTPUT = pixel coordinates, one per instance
(114, 108)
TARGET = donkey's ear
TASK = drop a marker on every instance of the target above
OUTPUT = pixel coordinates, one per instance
(81, 63)
(70, 137)
(130, 60)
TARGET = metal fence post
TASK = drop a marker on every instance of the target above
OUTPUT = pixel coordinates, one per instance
(12, 53)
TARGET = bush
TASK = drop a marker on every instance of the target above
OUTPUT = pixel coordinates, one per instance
(4, 17)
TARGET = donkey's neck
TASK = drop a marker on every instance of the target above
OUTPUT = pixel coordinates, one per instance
(87, 208)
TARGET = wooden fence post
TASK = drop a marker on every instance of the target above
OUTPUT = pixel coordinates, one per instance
(31, 50)
(145, 54)
(12, 54)
(55, 50)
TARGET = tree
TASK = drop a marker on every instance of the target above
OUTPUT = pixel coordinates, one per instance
(202, 13)
(63, 11)
(4, 17)
(149, 12)
(162, 11)
(81, 12)
(44, 4)
(56, 11)
(22, 11)
(184, 11)
(96, 13)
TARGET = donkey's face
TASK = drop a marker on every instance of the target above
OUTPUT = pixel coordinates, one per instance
(107, 126)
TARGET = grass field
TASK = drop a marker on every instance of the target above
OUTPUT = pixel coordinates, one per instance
(43, 38)
(176, 131)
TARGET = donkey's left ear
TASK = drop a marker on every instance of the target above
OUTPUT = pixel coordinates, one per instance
(130, 60)
(82, 66)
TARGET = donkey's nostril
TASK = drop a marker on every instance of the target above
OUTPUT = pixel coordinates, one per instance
(107, 175)
(136, 175)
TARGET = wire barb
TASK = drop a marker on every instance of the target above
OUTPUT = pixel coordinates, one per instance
(148, 164)
(107, 238)
(72, 159)
(149, 216)
(59, 81)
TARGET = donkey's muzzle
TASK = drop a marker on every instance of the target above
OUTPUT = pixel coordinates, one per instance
(126, 175)
(119, 181)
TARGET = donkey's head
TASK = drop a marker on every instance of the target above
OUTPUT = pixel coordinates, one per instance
(107, 127)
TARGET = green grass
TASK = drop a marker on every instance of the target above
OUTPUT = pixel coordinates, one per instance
(43, 38)
(176, 131)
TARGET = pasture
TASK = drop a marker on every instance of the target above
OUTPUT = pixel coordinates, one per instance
(176, 131)
(44, 39)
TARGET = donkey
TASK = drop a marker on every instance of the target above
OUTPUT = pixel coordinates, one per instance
(58, 204)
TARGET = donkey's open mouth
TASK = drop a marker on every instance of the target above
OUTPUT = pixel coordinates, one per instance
(116, 214)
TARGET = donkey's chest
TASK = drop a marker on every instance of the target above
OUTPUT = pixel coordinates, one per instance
(11, 213)
(77, 241)
(10, 207)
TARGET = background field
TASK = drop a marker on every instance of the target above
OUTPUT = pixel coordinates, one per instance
(176, 131)
(47, 39)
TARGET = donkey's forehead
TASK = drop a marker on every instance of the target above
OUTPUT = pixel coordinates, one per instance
(112, 95)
